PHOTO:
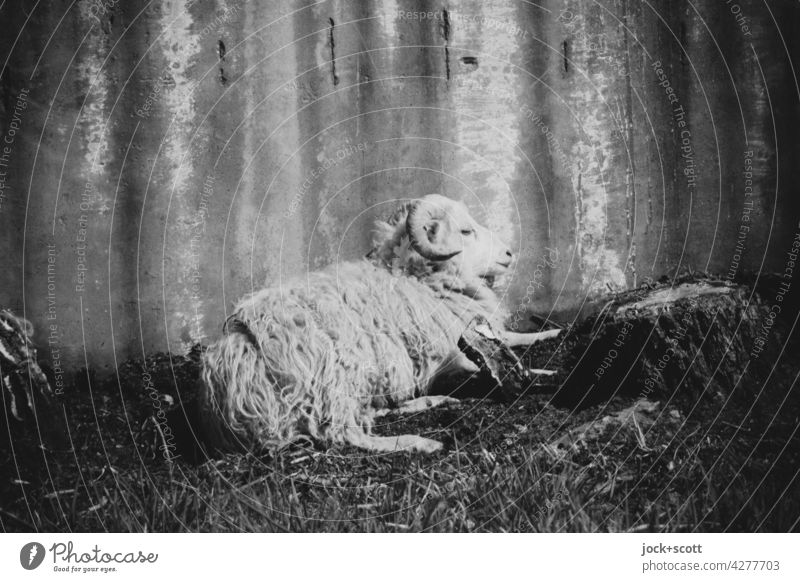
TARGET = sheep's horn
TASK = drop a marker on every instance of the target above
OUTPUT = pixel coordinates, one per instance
(421, 218)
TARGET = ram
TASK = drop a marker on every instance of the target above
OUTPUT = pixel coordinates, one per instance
(323, 355)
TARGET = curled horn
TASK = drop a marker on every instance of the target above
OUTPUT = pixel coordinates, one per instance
(421, 217)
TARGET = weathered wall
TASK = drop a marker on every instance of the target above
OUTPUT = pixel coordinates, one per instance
(163, 158)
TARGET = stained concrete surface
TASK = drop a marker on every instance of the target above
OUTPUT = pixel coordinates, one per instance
(160, 159)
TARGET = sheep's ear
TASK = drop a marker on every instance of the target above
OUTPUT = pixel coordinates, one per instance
(431, 230)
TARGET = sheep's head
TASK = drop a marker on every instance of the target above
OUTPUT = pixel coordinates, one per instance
(436, 233)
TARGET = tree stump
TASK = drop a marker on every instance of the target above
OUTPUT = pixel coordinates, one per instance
(695, 337)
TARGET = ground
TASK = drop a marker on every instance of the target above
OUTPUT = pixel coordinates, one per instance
(720, 458)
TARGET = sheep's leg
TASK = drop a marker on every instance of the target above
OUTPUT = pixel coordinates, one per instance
(390, 444)
(514, 339)
(454, 373)
(456, 364)
(417, 405)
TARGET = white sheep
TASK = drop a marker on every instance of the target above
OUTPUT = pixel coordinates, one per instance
(321, 355)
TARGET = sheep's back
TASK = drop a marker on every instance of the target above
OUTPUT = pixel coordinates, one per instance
(355, 329)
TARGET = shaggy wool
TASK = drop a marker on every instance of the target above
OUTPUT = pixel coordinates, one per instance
(317, 356)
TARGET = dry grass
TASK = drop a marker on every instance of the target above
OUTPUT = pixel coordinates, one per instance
(683, 473)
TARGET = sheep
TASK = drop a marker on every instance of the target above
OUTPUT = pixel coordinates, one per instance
(324, 355)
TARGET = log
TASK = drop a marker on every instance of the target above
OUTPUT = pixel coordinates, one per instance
(497, 363)
(501, 376)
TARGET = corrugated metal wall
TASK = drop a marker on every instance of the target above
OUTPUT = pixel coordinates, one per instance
(161, 159)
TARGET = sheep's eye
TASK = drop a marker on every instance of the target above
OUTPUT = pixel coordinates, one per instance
(467, 231)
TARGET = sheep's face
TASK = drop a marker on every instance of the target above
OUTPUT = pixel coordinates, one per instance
(442, 230)
(438, 234)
